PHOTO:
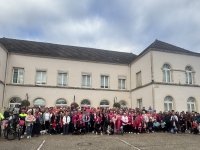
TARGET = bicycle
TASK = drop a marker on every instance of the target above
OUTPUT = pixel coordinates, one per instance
(9, 132)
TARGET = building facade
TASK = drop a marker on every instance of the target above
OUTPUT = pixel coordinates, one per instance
(163, 76)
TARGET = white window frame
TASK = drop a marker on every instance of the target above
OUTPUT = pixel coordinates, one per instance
(87, 76)
(43, 105)
(18, 72)
(104, 79)
(190, 104)
(120, 79)
(61, 104)
(165, 73)
(104, 105)
(41, 82)
(139, 103)
(85, 104)
(62, 84)
(188, 73)
(167, 101)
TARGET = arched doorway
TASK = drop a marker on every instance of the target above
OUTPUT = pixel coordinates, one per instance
(104, 103)
(39, 102)
(14, 101)
(123, 103)
(85, 102)
(61, 102)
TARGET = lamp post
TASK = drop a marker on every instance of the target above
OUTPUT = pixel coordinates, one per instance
(115, 99)
(26, 96)
(74, 98)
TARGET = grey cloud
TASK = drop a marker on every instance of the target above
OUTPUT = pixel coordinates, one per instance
(122, 25)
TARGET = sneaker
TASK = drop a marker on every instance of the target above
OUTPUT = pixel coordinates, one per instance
(134, 133)
(101, 133)
(96, 132)
(49, 134)
(188, 131)
(152, 131)
(129, 132)
(176, 132)
(28, 137)
(61, 133)
(22, 137)
(138, 133)
(92, 131)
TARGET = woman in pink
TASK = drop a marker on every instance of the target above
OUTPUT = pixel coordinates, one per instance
(114, 118)
(118, 125)
(30, 119)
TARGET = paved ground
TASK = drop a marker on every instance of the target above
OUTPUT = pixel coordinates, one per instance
(154, 141)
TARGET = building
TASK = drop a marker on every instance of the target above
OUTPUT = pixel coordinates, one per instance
(163, 76)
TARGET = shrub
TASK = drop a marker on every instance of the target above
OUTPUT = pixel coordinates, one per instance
(74, 104)
(117, 105)
(25, 103)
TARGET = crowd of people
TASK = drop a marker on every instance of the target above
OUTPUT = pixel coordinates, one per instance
(107, 121)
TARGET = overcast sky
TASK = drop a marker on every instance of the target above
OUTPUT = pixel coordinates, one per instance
(120, 25)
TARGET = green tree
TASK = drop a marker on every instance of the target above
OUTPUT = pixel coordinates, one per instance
(117, 105)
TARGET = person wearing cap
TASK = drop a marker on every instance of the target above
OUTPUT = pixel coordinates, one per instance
(22, 117)
(30, 119)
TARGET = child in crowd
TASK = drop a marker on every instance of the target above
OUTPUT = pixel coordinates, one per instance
(150, 126)
(182, 125)
(136, 125)
(110, 129)
(162, 126)
(156, 126)
(53, 128)
(98, 128)
(194, 127)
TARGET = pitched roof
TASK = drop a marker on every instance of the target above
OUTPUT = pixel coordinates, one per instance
(66, 52)
(159, 45)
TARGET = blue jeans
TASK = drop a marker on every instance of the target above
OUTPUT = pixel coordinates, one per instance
(65, 129)
(29, 130)
(173, 130)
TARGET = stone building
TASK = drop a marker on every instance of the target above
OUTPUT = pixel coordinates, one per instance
(163, 76)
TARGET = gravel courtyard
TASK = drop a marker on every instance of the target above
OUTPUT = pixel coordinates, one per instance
(154, 141)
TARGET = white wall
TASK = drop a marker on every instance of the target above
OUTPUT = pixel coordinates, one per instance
(50, 95)
(180, 95)
(144, 65)
(178, 63)
(74, 69)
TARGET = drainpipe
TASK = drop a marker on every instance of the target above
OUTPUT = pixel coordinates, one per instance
(130, 86)
(5, 78)
(152, 80)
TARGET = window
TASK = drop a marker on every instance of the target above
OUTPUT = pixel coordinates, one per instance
(168, 103)
(188, 70)
(41, 77)
(191, 104)
(104, 81)
(85, 102)
(140, 103)
(61, 102)
(166, 73)
(18, 75)
(122, 83)
(62, 79)
(123, 103)
(39, 102)
(14, 101)
(138, 79)
(85, 80)
(104, 103)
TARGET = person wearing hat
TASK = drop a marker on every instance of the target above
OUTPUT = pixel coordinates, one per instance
(22, 117)
(30, 119)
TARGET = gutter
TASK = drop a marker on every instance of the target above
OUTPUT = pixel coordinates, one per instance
(5, 78)
(130, 86)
